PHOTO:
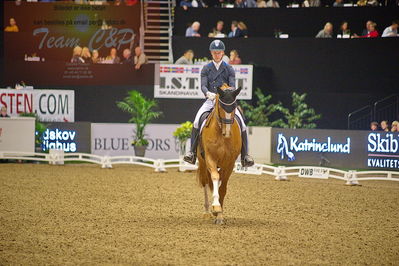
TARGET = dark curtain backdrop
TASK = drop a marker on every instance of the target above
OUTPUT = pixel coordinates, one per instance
(339, 76)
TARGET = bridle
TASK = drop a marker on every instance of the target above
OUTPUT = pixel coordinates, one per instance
(231, 107)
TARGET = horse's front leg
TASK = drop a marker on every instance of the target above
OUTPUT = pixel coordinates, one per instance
(212, 168)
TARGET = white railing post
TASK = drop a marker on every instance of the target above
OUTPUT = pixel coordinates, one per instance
(389, 175)
(352, 178)
(106, 162)
(159, 166)
(280, 173)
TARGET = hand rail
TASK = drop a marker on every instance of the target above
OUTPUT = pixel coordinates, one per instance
(385, 99)
(358, 111)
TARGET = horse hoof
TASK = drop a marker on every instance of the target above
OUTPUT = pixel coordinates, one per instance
(216, 209)
(219, 221)
(207, 216)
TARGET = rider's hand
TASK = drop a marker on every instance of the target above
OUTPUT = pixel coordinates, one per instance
(210, 95)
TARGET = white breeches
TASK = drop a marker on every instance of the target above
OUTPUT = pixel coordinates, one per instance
(207, 106)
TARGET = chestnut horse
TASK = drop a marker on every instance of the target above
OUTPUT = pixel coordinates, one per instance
(220, 145)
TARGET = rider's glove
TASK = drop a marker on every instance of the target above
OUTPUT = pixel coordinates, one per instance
(210, 95)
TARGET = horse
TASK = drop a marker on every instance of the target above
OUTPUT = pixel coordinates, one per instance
(220, 145)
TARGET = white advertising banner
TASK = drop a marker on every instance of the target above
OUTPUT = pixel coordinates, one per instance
(115, 139)
(183, 81)
(17, 134)
(50, 105)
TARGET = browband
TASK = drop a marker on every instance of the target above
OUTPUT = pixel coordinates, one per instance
(228, 103)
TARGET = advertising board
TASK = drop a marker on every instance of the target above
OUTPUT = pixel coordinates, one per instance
(49, 105)
(183, 81)
(115, 139)
(336, 148)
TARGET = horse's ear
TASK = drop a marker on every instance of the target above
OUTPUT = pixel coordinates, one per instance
(237, 91)
(220, 91)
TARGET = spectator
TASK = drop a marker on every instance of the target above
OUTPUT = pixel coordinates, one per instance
(77, 55)
(395, 126)
(235, 31)
(140, 58)
(86, 56)
(185, 4)
(338, 3)
(243, 29)
(186, 59)
(367, 29)
(225, 58)
(192, 31)
(372, 3)
(3, 112)
(250, 3)
(113, 58)
(244, 3)
(127, 57)
(344, 29)
(239, 4)
(272, 4)
(391, 31)
(374, 126)
(217, 32)
(372, 32)
(13, 26)
(384, 126)
(311, 3)
(261, 3)
(361, 3)
(326, 32)
(234, 58)
(95, 57)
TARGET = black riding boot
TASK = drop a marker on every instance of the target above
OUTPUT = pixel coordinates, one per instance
(246, 160)
(191, 156)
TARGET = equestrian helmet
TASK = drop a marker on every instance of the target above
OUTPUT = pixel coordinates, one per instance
(216, 45)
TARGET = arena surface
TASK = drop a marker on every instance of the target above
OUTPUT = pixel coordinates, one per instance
(82, 214)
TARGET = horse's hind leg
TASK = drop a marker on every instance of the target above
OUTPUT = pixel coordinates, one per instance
(224, 177)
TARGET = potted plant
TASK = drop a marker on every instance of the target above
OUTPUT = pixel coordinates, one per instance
(142, 112)
(40, 128)
(182, 134)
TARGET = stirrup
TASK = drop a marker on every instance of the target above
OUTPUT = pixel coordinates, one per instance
(247, 161)
(190, 157)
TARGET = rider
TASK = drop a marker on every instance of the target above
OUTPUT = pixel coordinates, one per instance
(213, 75)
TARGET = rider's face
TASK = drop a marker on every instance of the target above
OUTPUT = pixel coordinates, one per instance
(217, 55)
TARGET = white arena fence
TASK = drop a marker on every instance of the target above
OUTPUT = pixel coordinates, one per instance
(281, 173)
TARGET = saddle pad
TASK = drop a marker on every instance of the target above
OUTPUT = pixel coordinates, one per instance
(203, 123)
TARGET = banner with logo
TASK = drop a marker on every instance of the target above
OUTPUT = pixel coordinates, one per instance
(69, 137)
(50, 105)
(115, 139)
(17, 134)
(336, 148)
(183, 81)
(56, 41)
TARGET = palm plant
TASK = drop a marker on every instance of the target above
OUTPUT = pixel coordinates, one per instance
(142, 112)
(40, 128)
(260, 114)
(302, 116)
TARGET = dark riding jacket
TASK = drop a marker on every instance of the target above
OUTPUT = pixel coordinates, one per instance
(211, 79)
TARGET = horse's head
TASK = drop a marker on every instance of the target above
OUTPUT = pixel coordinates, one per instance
(227, 103)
